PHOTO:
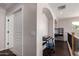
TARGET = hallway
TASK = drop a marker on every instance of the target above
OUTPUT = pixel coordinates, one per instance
(61, 49)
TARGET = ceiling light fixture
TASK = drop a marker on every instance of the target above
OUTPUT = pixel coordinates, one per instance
(61, 7)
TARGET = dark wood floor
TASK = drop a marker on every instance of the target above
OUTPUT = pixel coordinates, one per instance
(7, 52)
(61, 49)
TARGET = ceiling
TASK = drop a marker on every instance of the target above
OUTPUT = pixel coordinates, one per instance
(71, 10)
(7, 5)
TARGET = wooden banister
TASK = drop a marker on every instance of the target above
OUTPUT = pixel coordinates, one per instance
(73, 42)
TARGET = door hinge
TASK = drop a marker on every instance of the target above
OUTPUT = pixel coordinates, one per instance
(8, 43)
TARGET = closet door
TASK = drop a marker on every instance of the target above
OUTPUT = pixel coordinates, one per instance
(18, 32)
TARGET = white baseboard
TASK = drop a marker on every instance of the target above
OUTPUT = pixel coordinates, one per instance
(62, 40)
(2, 49)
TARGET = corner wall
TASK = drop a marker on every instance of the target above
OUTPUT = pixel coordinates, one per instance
(29, 29)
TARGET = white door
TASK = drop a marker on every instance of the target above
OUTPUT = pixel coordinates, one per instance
(9, 31)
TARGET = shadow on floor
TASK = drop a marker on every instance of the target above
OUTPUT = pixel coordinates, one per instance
(7, 52)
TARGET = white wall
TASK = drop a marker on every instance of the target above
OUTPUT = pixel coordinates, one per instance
(2, 28)
(67, 25)
(29, 29)
(42, 26)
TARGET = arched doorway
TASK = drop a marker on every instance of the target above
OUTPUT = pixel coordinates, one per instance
(50, 36)
(49, 16)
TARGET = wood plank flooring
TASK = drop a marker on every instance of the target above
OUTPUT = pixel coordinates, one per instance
(61, 49)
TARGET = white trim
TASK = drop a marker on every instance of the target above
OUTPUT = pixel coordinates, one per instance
(22, 27)
(5, 33)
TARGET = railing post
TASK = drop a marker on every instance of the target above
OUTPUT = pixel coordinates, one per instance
(73, 42)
